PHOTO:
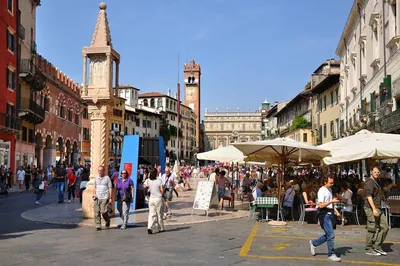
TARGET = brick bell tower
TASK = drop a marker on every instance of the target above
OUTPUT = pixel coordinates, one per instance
(192, 72)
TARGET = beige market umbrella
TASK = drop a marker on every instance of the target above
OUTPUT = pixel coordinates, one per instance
(280, 150)
(222, 154)
(374, 148)
(362, 135)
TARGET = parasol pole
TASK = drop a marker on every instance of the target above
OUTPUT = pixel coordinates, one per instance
(280, 188)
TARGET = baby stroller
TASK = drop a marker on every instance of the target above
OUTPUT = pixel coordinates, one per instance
(3, 188)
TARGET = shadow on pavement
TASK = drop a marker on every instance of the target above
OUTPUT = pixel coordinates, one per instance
(178, 229)
(12, 225)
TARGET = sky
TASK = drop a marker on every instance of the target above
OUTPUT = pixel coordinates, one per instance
(249, 50)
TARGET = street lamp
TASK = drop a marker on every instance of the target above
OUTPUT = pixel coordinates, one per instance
(116, 137)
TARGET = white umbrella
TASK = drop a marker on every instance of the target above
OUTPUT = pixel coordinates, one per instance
(222, 154)
(373, 148)
(280, 150)
(359, 136)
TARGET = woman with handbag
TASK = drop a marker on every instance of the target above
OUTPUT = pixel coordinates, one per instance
(125, 191)
(156, 203)
(40, 185)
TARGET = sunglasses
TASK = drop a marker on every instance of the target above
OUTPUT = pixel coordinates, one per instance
(124, 173)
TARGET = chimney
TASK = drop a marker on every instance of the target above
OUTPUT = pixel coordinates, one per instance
(276, 102)
(176, 95)
(169, 92)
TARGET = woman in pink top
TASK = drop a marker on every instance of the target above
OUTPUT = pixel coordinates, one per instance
(222, 181)
(186, 175)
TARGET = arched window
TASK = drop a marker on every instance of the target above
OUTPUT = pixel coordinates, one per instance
(145, 102)
(152, 103)
(159, 102)
(167, 104)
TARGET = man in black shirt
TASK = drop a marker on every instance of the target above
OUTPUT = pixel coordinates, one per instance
(61, 174)
(377, 226)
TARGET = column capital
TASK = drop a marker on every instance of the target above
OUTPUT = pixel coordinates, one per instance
(99, 112)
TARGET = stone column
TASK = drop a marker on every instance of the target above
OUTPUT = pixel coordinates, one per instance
(117, 79)
(75, 156)
(49, 156)
(84, 75)
(99, 151)
(61, 155)
(40, 159)
(108, 78)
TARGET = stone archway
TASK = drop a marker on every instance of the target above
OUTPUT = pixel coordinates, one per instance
(61, 149)
(39, 150)
(75, 153)
(49, 152)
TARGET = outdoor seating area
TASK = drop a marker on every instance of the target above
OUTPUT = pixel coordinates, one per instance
(288, 175)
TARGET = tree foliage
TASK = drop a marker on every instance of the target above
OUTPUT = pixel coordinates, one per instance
(300, 122)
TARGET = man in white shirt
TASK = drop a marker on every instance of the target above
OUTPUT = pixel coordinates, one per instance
(326, 217)
(21, 177)
(169, 181)
(345, 197)
(257, 191)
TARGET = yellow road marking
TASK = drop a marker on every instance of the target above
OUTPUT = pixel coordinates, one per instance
(308, 238)
(320, 259)
(281, 246)
(246, 247)
(278, 230)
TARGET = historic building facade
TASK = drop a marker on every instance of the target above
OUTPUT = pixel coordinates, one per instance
(369, 71)
(31, 82)
(57, 138)
(223, 128)
(167, 107)
(325, 102)
(294, 119)
(9, 121)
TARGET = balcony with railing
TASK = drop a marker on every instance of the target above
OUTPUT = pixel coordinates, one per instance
(31, 74)
(9, 124)
(21, 32)
(31, 111)
(390, 123)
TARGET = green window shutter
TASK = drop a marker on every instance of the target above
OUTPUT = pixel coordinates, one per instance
(363, 107)
(381, 93)
(388, 85)
(373, 102)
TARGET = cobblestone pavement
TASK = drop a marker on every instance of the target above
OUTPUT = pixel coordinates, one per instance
(228, 242)
(290, 244)
(71, 213)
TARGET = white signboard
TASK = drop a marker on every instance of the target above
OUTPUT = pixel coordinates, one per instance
(206, 196)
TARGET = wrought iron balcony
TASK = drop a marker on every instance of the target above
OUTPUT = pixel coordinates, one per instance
(31, 111)
(31, 74)
(9, 124)
(21, 32)
(390, 123)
